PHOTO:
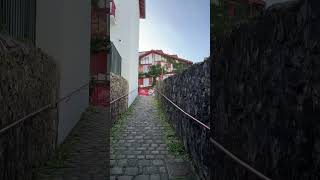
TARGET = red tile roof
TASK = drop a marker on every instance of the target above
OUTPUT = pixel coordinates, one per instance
(160, 52)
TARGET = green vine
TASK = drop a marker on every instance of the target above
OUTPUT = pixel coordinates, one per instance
(99, 44)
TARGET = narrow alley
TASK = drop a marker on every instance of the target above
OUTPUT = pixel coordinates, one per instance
(84, 154)
(141, 152)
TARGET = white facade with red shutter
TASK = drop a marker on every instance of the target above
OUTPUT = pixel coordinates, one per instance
(124, 33)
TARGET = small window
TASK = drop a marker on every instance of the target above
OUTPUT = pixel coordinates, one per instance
(145, 69)
(146, 81)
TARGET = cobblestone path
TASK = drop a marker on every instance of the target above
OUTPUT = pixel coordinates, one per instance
(88, 150)
(141, 152)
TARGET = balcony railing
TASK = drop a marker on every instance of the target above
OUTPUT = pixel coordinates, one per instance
(18, 19)
(114, 64)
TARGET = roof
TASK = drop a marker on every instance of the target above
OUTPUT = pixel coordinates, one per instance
(142, 8)
(160, 52)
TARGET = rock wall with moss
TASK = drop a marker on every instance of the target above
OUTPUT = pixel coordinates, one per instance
(119, 87)
(190, 91)
(266, 94)
(29, 81)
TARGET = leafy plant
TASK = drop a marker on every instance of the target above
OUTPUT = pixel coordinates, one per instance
(177, 66)
(142, 74)
(155, 71)
(94, 3)
(173, 142)
(100, 43)
(120, 123)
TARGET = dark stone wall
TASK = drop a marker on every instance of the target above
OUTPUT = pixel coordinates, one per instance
(190, 91)
(266, 95)
(119, 87)
(28, 81)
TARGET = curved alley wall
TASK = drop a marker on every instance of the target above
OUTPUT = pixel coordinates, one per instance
(190, 91)
(119, 87)
(28, 82)
(266, 87)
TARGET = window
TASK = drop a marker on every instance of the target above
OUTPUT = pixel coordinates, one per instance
(145, 81)
(145, 60)
(145, 69)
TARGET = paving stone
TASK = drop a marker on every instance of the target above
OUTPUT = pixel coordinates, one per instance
(131, 156)
(149, 156)
(137, 152)
(132, 162)
(164, 177)
(116, 170)
(155, 177)
(150, 170)
(154, 152)
(144, 162)
(141, 148)
(157, 162)
(131, 171)
(121, 156)
(125, 177)
(142, 177)
(113, 162)
(141, 156)
(162, 170)
(178, 169)
(122, 162)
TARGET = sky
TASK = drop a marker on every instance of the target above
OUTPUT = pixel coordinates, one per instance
(179, 27)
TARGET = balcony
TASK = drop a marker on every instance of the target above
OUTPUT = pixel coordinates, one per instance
(18, 19)
(114, 65)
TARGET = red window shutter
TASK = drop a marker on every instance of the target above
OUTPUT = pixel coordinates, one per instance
(231, 11)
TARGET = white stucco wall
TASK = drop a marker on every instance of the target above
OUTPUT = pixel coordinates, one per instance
(125, 36)
(63, 31)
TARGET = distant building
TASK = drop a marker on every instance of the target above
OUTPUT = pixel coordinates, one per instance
(170, 65)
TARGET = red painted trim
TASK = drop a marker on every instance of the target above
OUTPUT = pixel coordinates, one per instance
(164, 54)
(113, 8)
(142, 8)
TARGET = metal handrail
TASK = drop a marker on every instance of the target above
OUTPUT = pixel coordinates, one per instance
(113, 101)
(199, 122)
(51, 105)
(218, 145)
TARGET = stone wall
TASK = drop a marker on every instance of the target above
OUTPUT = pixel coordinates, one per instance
(190, 91)
(28, 81)
(119, 87)
(266, 94)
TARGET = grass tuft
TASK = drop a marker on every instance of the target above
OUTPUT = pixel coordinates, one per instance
(173, 142)
(120, 123)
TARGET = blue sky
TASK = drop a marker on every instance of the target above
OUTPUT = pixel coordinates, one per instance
(179, 27)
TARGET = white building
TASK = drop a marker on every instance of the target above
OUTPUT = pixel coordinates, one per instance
(63, 32)
(124, 33)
